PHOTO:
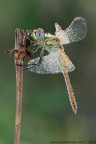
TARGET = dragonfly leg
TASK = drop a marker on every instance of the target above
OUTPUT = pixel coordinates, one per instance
(29, 53)
(41, 55)
(35, 50)
(39, 62)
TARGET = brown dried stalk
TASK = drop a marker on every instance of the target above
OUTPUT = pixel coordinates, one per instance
(22, 42)
(20, 52)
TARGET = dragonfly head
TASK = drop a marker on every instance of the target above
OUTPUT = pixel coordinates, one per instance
(38, 34)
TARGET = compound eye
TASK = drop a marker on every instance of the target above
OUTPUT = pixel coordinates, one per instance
(40, 34)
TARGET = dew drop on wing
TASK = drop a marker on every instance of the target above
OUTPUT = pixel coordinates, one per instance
(75, 32)
(49, 65)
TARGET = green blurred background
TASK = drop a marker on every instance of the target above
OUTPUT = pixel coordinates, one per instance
(47, 115)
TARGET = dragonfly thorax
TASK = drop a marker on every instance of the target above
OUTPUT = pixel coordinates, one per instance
(52, 44)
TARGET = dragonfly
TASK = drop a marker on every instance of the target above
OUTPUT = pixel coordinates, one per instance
(57, 61)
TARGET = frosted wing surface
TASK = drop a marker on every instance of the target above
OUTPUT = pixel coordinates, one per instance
(50, 64)
(75, 32)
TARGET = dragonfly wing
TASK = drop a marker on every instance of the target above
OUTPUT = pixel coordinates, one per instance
(69, 87)
(49, 65)
(75, 32)
(69, 65)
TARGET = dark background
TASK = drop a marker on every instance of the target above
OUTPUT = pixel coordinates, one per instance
(47, 115)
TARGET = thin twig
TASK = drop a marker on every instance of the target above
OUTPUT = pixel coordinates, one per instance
(20, 52)
(19, 85)
(20, 46)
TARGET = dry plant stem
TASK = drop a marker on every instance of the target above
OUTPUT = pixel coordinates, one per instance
(19, 84)
(20, 41)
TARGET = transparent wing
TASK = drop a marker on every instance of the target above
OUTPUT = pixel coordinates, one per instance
(75, 32)
(50, 64)
(69, 65)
